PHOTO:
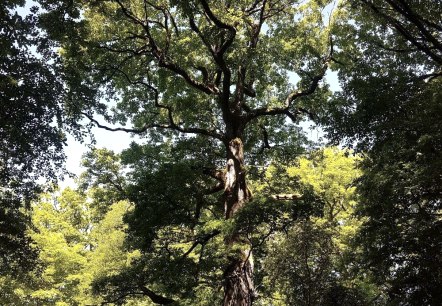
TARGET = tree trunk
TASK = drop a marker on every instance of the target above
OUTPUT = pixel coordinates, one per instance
(238, 276)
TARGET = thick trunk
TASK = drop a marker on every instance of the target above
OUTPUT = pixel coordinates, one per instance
(238, 281)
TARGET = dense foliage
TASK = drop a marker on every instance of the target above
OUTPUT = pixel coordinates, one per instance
(31, 139)
(223, 200)
(157, 243)
(390, 106)
(218, 70)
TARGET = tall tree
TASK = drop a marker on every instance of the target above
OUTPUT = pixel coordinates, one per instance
(390, 107)
(178, 227)
(224, 70)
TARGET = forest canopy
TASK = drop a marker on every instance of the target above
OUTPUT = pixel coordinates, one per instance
(223, 199)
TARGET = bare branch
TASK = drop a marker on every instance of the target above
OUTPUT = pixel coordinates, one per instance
(145, 127)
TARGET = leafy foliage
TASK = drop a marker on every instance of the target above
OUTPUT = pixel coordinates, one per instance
(102, 181)
(196, 67)
(31, 140)
(389, 107)
(310, 261)
(226, 192)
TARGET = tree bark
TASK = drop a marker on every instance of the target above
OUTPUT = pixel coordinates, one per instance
(238, 276)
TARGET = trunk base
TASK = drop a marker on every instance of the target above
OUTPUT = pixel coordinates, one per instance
(238, 287)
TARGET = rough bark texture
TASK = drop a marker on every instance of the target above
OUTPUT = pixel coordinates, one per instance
(238, 276)
(238, 287)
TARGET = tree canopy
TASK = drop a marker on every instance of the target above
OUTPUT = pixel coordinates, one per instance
(224, 199)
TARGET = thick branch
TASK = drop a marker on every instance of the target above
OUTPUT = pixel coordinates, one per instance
(216, 174)
(286, 109)
(121, 297)
(408, 13)
(215, 19)
(172, 125)
(219, 175)
(244, 87)
(253, 8)
(209, 47)
(219, 53)
(157, 299)
(279, 111)
(168, 64)
(265, 140)
(431, 76)
(218, 187)
(313, 85)
(266, 111)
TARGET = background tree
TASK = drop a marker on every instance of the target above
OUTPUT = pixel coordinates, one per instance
(311, 262)
(390, 108)
(102, 181)
(74, 252)
(60, 230)
(216, 69)
(31, 140)
(109, 257)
